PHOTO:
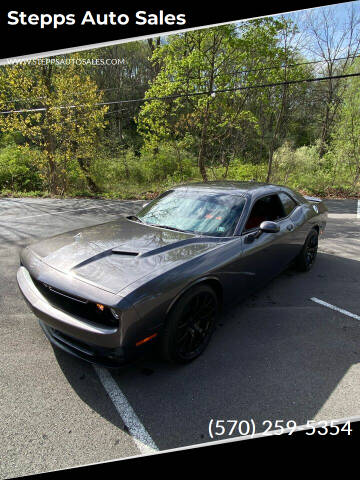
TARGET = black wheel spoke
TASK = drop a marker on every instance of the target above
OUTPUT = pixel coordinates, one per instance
(183, 337)
(195, 324)
(311, 250)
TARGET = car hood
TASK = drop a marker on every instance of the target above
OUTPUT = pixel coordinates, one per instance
(115, 254)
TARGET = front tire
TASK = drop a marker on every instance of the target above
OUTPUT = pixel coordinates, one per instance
(190, 325)
(307, 256)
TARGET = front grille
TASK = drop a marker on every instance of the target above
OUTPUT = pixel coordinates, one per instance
(75, 305)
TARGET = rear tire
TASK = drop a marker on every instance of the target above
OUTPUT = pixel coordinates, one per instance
(190, 325)
(307, 256)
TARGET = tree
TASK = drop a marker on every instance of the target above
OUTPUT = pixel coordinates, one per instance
(56, 110)
(331, 38)
(345, 142)
(194, 66)
(273, 58)
(283, 99)
(124, 76)
(234, 59)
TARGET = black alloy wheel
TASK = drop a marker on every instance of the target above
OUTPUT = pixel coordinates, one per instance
(307, 256)
(190, 325)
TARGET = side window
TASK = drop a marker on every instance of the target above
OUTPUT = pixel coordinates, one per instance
(288, 203)
(266, 208)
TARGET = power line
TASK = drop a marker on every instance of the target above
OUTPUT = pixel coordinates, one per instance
(234, 73)
(312, 62)
(60, 107)
(277, 67)
(191, 94)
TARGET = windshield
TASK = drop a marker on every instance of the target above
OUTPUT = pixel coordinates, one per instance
(214, 214)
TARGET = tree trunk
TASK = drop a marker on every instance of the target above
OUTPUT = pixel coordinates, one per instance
(202, 149)
(276, 135)
(90, 182)
(154, 43)
(50, 142)
(50, 153)
(204, 139)
(324, 133)
(202, 154)
(270, 162)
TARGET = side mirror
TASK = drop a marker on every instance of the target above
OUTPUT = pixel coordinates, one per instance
(269, 227)
(265, 227)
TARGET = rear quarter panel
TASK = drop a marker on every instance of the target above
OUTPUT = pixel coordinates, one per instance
(309, 215)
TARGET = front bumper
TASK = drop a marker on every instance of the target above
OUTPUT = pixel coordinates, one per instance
(100, 356)
(84, 339)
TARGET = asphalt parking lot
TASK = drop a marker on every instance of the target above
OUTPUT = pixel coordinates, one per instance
(278, 355)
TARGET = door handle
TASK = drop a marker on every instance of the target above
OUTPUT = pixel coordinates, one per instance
(290, 227)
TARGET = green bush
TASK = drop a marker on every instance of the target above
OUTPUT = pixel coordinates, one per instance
(23, 172)
(304, 170)
(18, 170)
(151, 167)
(243, 172)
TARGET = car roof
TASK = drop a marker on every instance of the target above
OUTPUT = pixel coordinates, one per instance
(235, 187)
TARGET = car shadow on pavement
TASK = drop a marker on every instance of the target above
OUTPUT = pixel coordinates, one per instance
(276, 356)
(81, 376)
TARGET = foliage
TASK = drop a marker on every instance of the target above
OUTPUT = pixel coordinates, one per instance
(193, 63)
(127, 168)
(344, 150)
(224, 59)
(18, 169)
(67, 134)
(303, 169)
(63, 134)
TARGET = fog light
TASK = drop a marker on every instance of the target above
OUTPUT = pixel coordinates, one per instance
(115, 313)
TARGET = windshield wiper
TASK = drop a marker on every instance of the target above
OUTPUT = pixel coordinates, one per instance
(169, 228)
(135, 218)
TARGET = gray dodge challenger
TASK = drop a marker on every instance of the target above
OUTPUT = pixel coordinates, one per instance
(108, 292)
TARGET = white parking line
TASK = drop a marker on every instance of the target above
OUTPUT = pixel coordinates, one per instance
(333, 307)
(141, 437)
(358, 209)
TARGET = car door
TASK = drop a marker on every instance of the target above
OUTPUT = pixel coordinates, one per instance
(267, 254)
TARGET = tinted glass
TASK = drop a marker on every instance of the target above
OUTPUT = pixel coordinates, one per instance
(266, 208)
(214, 214)
(288, 203)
